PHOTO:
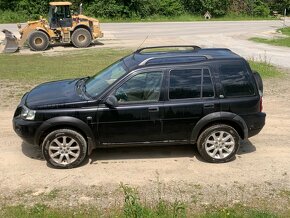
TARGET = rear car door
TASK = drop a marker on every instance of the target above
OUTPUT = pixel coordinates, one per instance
(137, 117)
(191, 95)
(239, 94)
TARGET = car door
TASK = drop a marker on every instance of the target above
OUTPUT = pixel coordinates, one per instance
(136, 119)
(190, 96)
(238, 92)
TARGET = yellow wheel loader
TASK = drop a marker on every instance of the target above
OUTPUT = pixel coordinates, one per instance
(61, 27)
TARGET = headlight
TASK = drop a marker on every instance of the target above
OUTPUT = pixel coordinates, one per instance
(27, 114)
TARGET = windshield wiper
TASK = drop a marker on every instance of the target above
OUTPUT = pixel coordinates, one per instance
(84, 87)
(81, 86)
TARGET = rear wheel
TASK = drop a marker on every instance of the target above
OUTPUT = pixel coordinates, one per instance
(81, 38)
(218, 143)
(64, 148)
(38, 41)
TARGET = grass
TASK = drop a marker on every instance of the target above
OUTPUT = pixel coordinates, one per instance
(283, 41)
(56, 66)
(265, 69)
(184, 17)
(161, 210)
(133, 207)
(13, 17)
(80, 63)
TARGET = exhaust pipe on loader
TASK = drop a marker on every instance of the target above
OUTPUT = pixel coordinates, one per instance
(10, 42)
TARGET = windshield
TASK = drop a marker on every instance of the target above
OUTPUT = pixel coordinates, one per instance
(97, 84)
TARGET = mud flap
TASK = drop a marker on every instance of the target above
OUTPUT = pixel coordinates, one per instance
(10, 42)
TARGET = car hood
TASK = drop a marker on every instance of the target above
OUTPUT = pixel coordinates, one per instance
(54, 94)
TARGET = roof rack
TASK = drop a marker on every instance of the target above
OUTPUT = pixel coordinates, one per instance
(143, 63)
(194, 47)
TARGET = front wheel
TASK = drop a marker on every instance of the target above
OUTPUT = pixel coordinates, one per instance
(38, 41)
(218, 143)
(64, 148)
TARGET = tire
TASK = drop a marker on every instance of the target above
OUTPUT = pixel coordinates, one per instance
(38, 41)
(59, 154)
(217, 152)
(81, 38)
(259, 81)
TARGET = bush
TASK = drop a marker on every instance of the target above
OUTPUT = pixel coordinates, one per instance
(260, 9)
(105, 9)
(169, 7)
(215, 7)
(12, 16)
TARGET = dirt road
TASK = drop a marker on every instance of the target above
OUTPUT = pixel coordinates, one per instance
(228, 34)
(261, 161)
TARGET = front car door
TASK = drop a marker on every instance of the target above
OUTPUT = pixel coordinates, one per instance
(136, 119)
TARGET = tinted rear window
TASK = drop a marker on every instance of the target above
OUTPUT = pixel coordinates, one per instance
(236, 81)
(185, 83)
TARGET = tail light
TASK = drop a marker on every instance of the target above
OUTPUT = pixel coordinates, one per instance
(261, 104)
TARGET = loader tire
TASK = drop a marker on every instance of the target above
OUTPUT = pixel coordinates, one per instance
(81, 38)
(38, 41)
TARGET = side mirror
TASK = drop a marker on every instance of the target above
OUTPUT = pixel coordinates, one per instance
(111, 102)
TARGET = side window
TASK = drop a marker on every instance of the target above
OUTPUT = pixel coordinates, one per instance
(141, 87)
(185, 83)
(236, 81)
(207, 86)
(63, 12)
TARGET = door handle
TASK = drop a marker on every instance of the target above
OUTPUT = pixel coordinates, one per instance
(208, 106)
(153, 109)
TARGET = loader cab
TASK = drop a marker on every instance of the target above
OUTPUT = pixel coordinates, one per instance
(60, 15)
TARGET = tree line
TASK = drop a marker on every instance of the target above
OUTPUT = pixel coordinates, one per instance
(146, 8)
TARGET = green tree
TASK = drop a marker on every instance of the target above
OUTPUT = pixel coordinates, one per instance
(279, 5)
(8, 4)
(215, 7)
(33, 8)
(260, 8)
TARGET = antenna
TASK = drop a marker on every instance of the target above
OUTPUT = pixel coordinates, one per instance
(143, 42)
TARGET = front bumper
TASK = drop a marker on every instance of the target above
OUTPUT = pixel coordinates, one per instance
(25, 129)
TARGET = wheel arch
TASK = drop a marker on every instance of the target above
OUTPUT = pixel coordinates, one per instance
(42, 30)
(227, 118)
(83, 27)
(66, 122)
(28, 33)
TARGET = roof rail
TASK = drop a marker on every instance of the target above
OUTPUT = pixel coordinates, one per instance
(194, 47)
(143, 63)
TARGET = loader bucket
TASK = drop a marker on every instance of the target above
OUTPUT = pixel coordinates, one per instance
(10, 42)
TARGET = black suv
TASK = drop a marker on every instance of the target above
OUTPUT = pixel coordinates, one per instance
(155, 96)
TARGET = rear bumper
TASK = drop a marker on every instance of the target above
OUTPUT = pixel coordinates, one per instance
(255, 123)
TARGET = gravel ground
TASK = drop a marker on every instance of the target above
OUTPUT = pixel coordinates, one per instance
(259, 175)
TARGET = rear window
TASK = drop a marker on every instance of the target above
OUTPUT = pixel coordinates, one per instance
(236, 81)
(190, 83)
